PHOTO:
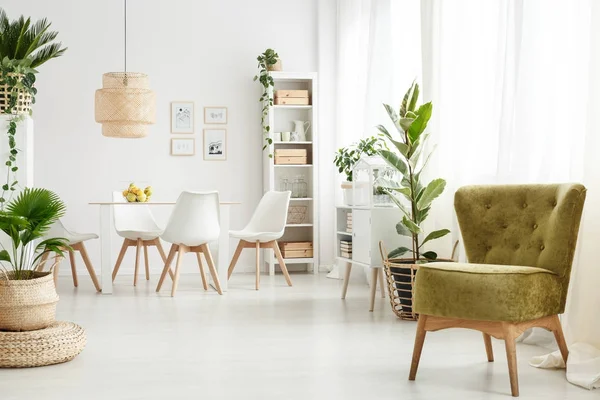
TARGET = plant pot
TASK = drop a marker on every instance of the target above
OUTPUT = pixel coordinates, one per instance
(347, 193)
(27, 305)
(275, 67)
(23, 105)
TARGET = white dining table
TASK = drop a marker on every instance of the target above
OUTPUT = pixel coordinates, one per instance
(107, 228)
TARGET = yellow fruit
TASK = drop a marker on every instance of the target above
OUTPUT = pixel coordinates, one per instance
(148, 191)
(131, 185)
(131, 197)
(125, 193)
(141, 198)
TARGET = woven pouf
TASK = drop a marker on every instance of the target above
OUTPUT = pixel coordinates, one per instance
(58, 343)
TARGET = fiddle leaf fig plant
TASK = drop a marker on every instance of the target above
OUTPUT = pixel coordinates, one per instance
(265, 61)
(411, 195)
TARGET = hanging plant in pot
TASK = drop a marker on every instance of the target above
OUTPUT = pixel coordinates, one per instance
(267, 61)
(24, 46)
(347, 157)
(27, 297)
(411, 195)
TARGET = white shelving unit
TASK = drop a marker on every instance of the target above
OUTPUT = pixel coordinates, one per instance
(280, 120)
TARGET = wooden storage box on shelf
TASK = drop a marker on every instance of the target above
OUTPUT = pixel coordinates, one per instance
(291, 101)
(291, 156)
(296, 249)
(291, 93)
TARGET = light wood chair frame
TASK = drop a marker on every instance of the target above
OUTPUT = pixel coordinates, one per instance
(139, 244)
(80, 247)
(507, 331)
(243, 244)
(181, 250)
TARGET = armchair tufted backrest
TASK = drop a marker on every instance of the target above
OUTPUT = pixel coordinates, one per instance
(529, 225)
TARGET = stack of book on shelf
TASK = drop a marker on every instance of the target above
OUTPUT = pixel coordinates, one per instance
(349, 223)
(346, 248)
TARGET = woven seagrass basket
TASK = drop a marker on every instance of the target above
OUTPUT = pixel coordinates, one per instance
(29, 304)
(23, 104)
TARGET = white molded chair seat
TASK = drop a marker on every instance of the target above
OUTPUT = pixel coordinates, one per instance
(265, 227)
(193, 224)
(136, 225)
(58, 230)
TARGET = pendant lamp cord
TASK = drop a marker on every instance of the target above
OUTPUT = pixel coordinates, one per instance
(125, 32)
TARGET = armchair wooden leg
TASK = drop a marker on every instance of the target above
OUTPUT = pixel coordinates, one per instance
(346, 279)
(88, 265)
(120, 258)
(257, 265)
(419, 340)
(511, 356)
(282, 263)
(560, 338)
(73, 268)
(167, 267)
(381, 282)
(202, 274)
(138, 247)
(211, 267)
(162, 254)
(487, 339)
(235, 258)
(146, 262)
(181, 252)
(374, 277)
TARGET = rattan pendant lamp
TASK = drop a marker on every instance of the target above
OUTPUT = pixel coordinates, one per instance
(125, 106)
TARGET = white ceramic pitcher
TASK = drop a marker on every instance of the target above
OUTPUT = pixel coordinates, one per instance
(300, 128)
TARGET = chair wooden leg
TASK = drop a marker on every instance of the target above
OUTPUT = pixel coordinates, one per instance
(419, 340)
(146, 262)
(55, 274)
(211, 267)
(381, 282)
(346, 279)
(167, 267)
(202, 274)
(374, 278)
(235, 258)
(162, 254)
(43, 261)
(89, 266)
(73, 268)
(511, 356)
(257, 285)
(120, 258)
(138, 247)
(487, 339)
(282, 265)
(181, 252)
(560, 339)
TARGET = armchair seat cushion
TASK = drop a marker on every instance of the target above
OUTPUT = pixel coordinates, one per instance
(487, 292)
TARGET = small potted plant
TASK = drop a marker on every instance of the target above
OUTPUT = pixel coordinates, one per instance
(267, 61)
(347, 157)
(27, 297)
(411, 195)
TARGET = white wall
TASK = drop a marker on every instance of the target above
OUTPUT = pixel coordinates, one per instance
(204, 51)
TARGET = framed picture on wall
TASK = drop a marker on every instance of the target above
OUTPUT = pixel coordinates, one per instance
(215, 144)
(182, 117)
(183, 147)
(215, 115)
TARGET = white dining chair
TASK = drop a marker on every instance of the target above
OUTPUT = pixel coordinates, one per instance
(136, 225)
(265, 227)
(194, 223)
(58, 230)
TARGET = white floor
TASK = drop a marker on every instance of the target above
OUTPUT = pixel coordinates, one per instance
(279, 343)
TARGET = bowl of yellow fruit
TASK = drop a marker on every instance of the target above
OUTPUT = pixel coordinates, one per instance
(134, 194)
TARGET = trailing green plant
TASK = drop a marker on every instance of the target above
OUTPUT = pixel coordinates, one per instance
(408, 143)
(265, 60)
(347, 157)
(26, 220)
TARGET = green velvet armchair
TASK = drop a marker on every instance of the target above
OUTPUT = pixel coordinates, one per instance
(519, 241)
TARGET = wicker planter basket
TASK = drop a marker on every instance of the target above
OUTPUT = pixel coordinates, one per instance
(400, 277)
(275, 67)
(23, 105)
(27, 305)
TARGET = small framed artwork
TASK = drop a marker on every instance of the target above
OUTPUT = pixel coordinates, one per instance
(215, 144)
(183, 147)
(182, 117)
(215, 115)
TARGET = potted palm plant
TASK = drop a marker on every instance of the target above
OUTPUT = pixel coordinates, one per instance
(410, 194)
(27, 297)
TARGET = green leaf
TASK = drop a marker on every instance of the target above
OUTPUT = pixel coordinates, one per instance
(404, 104)
(414, 228)
(403, 230)
(399, 252)
(405, 123)
(393, 160)
(430, 255)
(4, 256)
(432, 191)
(435, 235)
(414, 98)
(420, 123)
(394, 117)
(401, 206)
